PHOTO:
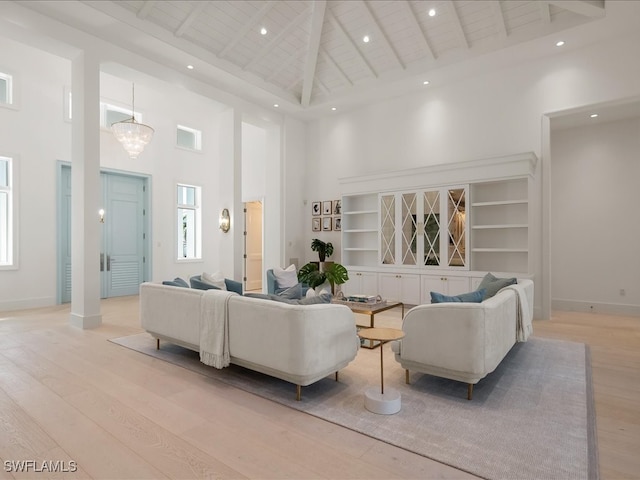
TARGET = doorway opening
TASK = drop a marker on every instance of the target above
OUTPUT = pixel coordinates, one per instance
(253, 245)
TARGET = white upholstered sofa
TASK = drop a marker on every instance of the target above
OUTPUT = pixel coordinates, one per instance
(297, 343)
(465, 341)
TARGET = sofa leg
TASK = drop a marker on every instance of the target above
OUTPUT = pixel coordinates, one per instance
(336, 376)
(470, 391)
(157, 344)
(298, 393)
(406, 377)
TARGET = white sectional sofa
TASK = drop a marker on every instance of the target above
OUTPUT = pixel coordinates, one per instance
(300, 344)
(465, 341)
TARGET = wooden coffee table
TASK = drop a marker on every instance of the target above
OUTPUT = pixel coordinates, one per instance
(371, 310)
(377, 400)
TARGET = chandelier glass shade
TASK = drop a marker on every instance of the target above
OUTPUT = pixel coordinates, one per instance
(132, 135)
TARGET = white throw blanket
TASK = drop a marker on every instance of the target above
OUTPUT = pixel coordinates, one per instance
(214, 328)
(524, 325)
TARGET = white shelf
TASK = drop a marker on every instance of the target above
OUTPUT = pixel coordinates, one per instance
(361, 230)
(360, 212)
(500, 250)
(501, 202)
(507, 225)
(360, 249)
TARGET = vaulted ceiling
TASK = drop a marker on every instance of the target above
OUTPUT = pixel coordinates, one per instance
(309, 53)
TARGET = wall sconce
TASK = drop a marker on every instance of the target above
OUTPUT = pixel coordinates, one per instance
(225, 220)
(101, 213)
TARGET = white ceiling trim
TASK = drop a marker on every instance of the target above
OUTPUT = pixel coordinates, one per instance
(588, 8)
(146, 9)
(195, 11)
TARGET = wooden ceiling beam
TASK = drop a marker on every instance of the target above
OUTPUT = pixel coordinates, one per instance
(379, 33)
(335, 67)
(498, 20)
(311, 62)
(588, 8)
(457, 25)
(251, 23)
(348, 41)
(195, 12)
(146, 9)
(545, 13)
(412, 20)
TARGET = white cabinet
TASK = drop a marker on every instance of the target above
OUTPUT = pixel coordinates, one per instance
(400, 286)
(361, 283)
(425, 228)
(444, 284)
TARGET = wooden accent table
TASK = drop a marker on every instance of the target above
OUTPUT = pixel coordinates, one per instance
(370, 309)
(375, 401)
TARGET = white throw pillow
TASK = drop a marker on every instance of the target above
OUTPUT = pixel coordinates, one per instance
(287, 277)
(310, 293)
(216, 279)
(325, 287)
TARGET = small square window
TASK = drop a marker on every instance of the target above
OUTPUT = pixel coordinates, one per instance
(110, 114)
(6, 88)
(188, 138)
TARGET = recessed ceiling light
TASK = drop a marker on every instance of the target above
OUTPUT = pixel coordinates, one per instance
(276, 105)
(263, 31)
(366, 39)
(426, 82)
(593, 115)
(190, 67)
(560, 43)
(432, 12)
(333, 109)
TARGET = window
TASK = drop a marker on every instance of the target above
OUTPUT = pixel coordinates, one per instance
(6, 88)
(188, 138)
(110, 114)
(6, 212)
(188, 222)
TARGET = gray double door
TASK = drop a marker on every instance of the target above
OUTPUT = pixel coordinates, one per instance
(123, 238)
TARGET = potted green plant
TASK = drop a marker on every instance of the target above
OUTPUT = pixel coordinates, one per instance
(335, 273)
(324, 249)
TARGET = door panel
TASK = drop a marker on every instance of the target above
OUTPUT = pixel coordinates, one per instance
(253, 246)
(123, 235)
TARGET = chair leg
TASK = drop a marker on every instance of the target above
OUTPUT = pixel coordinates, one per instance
(336, 376)
(470, 391)
(298, 392)
(157, 344)
(406, 377)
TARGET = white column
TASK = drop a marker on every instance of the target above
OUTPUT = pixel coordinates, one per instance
(85, 192)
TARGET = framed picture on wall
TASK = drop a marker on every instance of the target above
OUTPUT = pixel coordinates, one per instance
(337, 223)
(326, 223)
(326, 207)
(315, 224)
(315, 208)
(337, 207)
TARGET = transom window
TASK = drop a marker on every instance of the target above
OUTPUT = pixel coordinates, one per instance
(110, 114)
(187, 137)
(189, 237)
(6, 88)
(6, 212)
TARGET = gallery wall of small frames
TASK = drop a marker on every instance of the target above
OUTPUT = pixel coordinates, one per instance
(326, 216)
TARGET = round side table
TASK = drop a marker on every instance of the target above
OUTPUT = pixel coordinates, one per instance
(378, 400)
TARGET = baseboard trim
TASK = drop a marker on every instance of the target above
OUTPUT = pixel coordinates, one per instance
(595, 307)
(26, 303)
(85, 321)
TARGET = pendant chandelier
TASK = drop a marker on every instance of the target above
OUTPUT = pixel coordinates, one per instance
(132, 135)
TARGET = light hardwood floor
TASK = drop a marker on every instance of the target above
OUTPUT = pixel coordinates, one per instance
(68, 394)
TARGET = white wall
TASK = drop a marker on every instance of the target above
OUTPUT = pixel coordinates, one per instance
(493, 114)
(595, 221)
(254, 156)
(37, 134)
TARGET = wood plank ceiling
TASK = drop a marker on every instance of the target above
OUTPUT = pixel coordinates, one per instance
(313, 50)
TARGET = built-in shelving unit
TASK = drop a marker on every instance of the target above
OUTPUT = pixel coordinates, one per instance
(496, 215)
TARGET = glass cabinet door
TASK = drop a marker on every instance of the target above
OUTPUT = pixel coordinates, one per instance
(409, 229)
(431, 208)
(388, 229)
(456, 227)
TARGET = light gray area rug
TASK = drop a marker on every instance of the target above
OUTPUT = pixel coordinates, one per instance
(533, 418)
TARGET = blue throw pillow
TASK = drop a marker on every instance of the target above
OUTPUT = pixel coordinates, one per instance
(181, 282)
(174, 283)
(292, 293)
(493, 284)
(233, 286)
(471, 297)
